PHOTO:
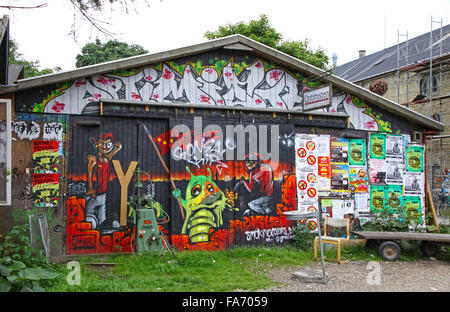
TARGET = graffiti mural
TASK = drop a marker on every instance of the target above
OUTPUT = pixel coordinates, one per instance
(224, 80)
(99, 165)
(204, 205)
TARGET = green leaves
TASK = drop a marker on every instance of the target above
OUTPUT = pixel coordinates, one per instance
(98, 52)
(22, 268)
(261, 31)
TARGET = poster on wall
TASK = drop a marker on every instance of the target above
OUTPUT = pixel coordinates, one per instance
(327, 207)
(393, 199)
(339, 164)
(46, 189)
(414, 184)
(306, 172)
(377, 198)
(377, 145)
(394, 147)
(357, 151)
(414, 208)
(377, 171)
(323, 163)
(358, 181)
(414, 158)
(394, 171)
(45, 156)
(339, 178)
(339, 151)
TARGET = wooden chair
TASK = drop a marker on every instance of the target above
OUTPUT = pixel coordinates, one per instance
(326, 239)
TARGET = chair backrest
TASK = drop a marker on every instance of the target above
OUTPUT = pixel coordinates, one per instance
(336, 223)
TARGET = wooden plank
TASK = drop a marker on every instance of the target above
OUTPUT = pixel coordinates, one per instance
(443, 238)
(433, 211)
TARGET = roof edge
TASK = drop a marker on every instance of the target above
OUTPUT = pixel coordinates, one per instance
(263, 50)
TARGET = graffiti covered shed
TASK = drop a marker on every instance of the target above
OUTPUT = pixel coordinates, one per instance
(216, 132)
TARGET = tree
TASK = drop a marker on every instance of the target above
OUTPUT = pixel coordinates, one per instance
(261, 31)
(97, 52)
(31, 68)
(87, 9)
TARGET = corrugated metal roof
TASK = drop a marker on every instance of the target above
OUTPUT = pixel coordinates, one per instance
(387, 60)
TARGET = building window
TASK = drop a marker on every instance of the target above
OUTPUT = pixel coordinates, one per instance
(5, 152)
(424, 85)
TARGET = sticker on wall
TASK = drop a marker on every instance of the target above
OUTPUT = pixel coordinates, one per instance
(45, 156)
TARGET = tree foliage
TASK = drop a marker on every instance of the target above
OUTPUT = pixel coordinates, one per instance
(31, 68)
(261, 31)
(98, 52)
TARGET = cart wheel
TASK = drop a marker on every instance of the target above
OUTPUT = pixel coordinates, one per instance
(428, 249)
(389, 251)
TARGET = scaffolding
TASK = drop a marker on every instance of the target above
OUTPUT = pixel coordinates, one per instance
(434, 71)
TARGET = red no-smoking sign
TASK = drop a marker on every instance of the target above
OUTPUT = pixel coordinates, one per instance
(311, 160)
(302, 185)
(311, 192)
(301, 152)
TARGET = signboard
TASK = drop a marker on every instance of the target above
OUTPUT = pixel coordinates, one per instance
(317, 98)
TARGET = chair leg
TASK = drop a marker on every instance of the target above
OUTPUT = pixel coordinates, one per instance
(315, 249)
(339, 252)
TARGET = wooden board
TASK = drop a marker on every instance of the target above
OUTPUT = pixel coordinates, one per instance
(442, 238)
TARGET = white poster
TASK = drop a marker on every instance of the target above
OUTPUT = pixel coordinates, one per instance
(394, 146)
(414, 184)
(394, 171)
(306, 172)
(323, 163)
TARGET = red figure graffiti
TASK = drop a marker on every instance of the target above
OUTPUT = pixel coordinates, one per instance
(99, 165)
(259, 185)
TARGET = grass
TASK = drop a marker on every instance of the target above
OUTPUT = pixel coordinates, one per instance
(243, 268)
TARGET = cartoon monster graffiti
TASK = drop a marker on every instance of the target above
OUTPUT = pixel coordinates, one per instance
(204, 204)
(99, 165)
(259, 185)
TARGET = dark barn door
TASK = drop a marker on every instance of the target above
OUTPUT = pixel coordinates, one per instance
(105, 156)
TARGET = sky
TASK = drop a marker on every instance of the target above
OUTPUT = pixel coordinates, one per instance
(338, 27)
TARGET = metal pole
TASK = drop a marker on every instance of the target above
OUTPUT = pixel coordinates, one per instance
(431, 66)
(324, 275)
(398, 66)
(407, 72)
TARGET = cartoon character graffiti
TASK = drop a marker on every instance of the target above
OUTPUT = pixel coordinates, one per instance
(99, 164)
(204, 204)
(259, 184)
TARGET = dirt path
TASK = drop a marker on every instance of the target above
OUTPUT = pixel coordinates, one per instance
(415, 276)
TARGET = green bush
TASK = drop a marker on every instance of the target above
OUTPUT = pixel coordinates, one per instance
(22, 267)
(304, 239)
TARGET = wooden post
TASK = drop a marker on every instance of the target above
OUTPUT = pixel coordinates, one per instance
(433, 211)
